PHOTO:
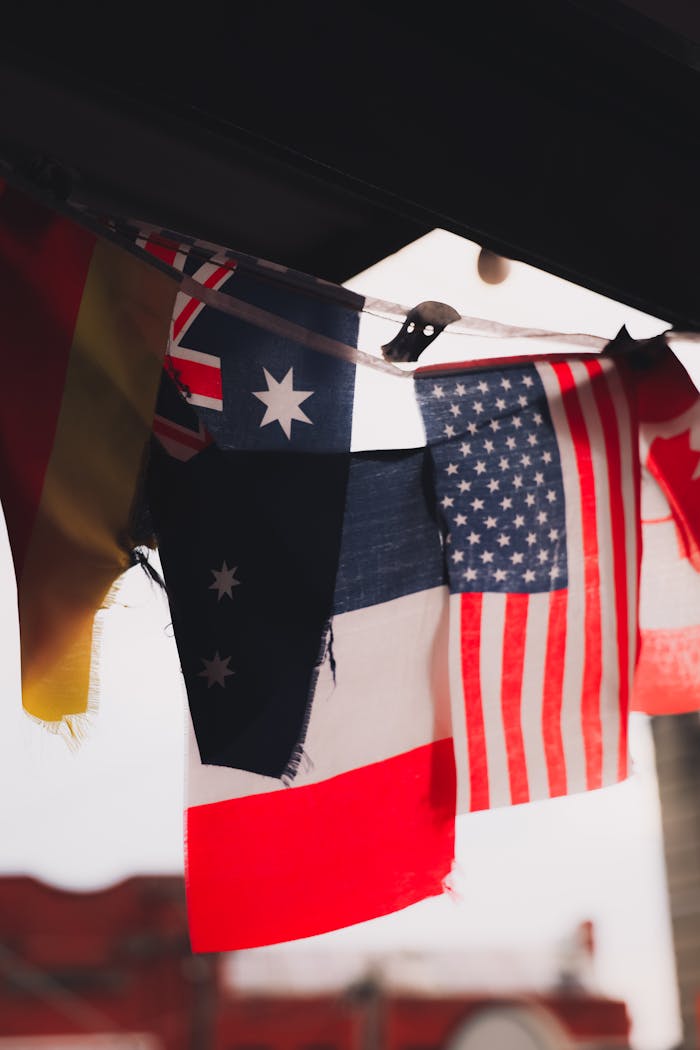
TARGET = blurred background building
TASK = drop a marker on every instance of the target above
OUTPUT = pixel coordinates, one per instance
(113, 970)
(677, 745)
(559, 134)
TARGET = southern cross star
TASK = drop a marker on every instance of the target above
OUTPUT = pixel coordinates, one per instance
(282, 402)
(216, 670)
(224, 581)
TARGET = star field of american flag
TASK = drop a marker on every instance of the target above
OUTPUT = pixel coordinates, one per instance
(498, 480)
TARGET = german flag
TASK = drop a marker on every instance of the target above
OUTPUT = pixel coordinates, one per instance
(83, 329)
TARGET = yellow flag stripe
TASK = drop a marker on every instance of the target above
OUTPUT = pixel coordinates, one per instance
(77, 547)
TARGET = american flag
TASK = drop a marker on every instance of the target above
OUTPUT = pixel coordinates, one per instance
(536, 489)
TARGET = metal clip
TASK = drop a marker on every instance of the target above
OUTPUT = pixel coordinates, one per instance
(423, 324)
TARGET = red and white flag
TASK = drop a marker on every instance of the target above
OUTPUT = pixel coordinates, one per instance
(668, 672)
(537, 494)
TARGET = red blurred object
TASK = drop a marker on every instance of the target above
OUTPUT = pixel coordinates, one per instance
(113, 969)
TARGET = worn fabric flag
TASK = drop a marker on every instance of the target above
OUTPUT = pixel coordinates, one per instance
(350, 621)
(84, 330)
(307, 593)
(383, 617)
(536, 482)
(668, 671)
(395, 596)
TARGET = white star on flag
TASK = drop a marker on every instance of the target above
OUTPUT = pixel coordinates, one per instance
(216, 670)
(224, 581)
(282, 402)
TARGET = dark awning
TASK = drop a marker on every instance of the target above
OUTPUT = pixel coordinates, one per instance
(561, 133)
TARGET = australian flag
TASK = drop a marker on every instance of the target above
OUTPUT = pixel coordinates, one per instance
(268, 526)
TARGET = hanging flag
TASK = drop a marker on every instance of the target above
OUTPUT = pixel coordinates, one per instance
(314, 655)
(668, 672)
(85, 326)
(536, 483)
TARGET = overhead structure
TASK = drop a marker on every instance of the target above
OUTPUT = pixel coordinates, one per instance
(325, 137)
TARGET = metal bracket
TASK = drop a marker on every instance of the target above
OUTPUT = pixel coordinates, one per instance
(423, 324)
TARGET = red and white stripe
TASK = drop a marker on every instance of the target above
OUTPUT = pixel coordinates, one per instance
(292, 863)
(198, 374)
(667, 679)
(179, 441)
(367, 827)
(211, 275)
(161, 247)
(541, 683)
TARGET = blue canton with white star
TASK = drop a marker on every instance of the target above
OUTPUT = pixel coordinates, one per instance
(498, 480)
(277, 394)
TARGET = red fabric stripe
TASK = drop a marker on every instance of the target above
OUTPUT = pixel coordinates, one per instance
(514, 632)
(162, 248)
(666, 390)
(668, 671)
(44, 261)
(552, 694)
(473, 705)
(203, 380)
(302, 861)
(184, 316)
(629, 381)
(609, 420)
(672, 462)
(192, 305)
(592, 668)
(197, 441)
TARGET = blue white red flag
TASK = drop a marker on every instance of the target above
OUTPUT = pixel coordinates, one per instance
(308, 597)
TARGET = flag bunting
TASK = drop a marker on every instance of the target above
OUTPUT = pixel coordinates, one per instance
(398, 593)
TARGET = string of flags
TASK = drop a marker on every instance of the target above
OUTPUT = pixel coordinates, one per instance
(397, 595)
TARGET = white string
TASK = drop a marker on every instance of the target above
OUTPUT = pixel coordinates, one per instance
(472, 326)
(255, 315)
(464, 326)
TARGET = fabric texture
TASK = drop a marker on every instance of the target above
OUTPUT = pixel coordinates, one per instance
(668, 669)
(85, 328)
(397, 593)
(464, 609)
(536, 485)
